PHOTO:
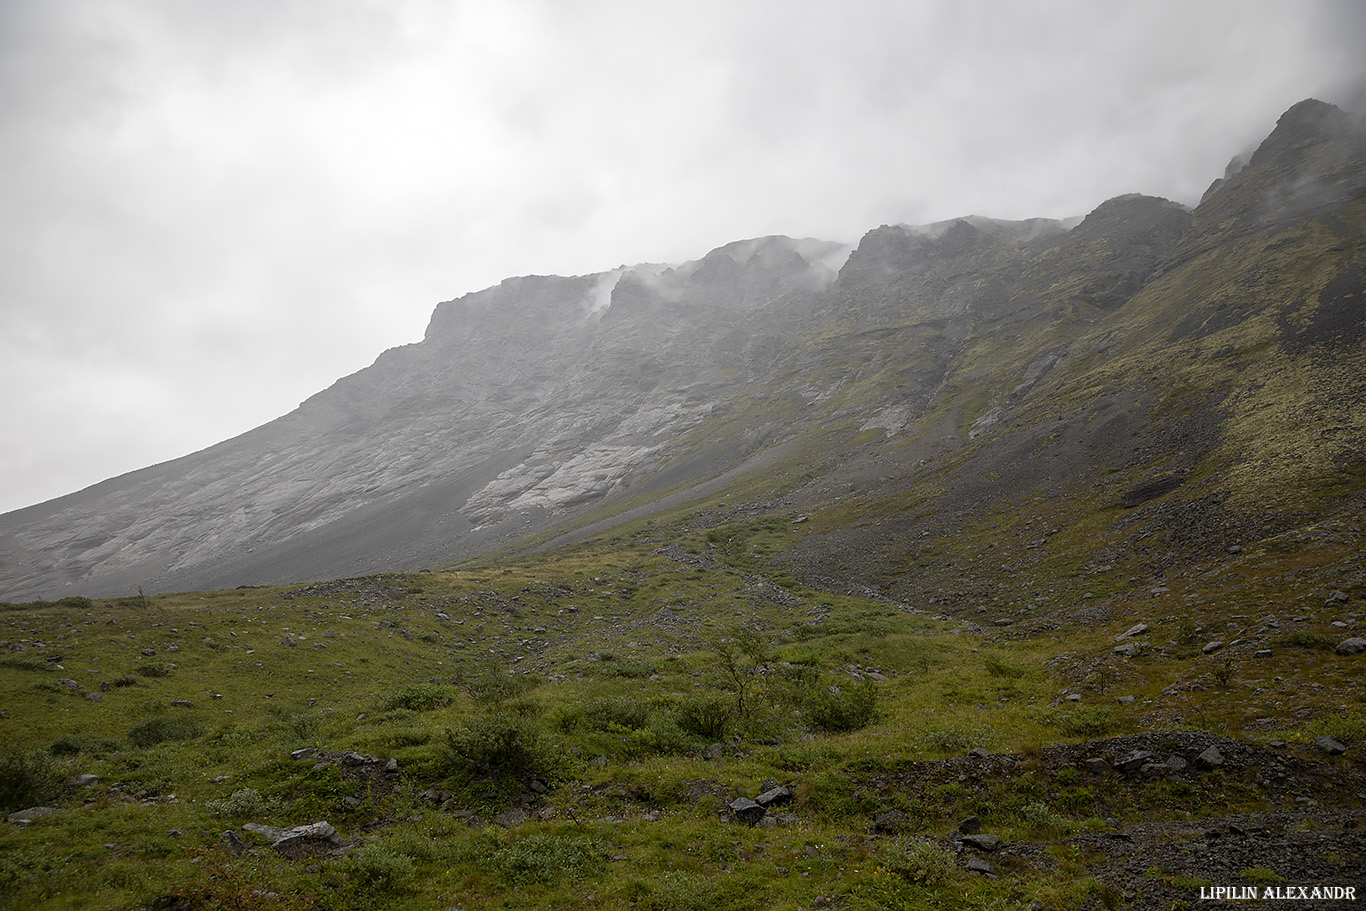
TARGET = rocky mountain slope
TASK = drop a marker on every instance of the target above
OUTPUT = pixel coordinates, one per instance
(952, 404)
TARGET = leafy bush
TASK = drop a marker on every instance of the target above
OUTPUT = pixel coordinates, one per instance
(847, 709)
(508, 744)
(705, 716)
(550, 858)
(1303, 639)
(677, 890)
(919, 860)
(1088, 721)
(157, 730)
(27, 779)
(378, 867)
(74, 744)
(619, 711)
(419, 697)
(492, 687)
(244, 802)
(153, 669)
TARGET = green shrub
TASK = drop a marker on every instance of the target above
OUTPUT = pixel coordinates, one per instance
(379, 868)
(74, 744)
(419, 697)
(995, 667)
(157, 730)
(244, 802)
(677, 890)
(1303, 639)
(153, 669)
(618, 711)
(505, 744)
(492, 687)
(550, 858)
(27, 779)
(706, 716)
(1088, 721)
(920, 861)
(850, 708)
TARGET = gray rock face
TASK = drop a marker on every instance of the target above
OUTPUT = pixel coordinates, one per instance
(303, 841)
(747, 811)
(1354, 646)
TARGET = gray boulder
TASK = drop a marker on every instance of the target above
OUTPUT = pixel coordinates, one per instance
(1353, 646)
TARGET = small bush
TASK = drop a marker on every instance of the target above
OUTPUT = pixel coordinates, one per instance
(75, 744)
(244, 802)
(677, 890)
(120, 681)
(27, 779)
(492, 687)
(1088, 721)
(506, 744)
(920, 861)
(1303, 639)
(550, 858)
(153, 669)
(995, 667)
(849, 709)
(706, 716)
(419, 697)
(158, 730)
(619, 711)
(379, 868)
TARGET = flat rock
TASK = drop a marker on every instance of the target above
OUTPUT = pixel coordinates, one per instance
(746, 811)
(1135, 760)
(1132, 631)
(1210, 758)
(978, 865)
(1330, 745)
(774, 796)
(982, 842)
(83, 781)
(509, 818)
(1212, 647)
(301, 841)
(24, 817)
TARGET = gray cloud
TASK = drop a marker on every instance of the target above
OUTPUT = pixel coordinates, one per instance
(214, 210)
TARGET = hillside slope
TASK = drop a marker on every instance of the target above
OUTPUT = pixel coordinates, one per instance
(950, 374)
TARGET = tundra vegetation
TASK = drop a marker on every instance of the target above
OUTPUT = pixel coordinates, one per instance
(569, 730)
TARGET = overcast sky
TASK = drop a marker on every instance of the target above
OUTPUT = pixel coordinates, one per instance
(211, 210)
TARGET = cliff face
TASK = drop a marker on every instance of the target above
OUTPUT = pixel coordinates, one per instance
(937, 370)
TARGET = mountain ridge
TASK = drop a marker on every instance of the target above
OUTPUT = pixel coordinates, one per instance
(547, 398)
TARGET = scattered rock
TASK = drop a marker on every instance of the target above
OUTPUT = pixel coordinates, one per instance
(970, 826)
(305, 753)
(1135, 760)
(746, 811)
(1212, 647)
(307, 840)
(774, 796)
(890, 821)
(232, 842)
(982, 842)
(182, 703)
(1330, 745)
(1210, 758)
(1124, 700)
(1097, 765)
(83, 781)
(509, 818)
(289, 641)
(24, 817)
(1127, 650)
(1138, 630)
(1353, 646)
(979, 753)
(978, 865)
